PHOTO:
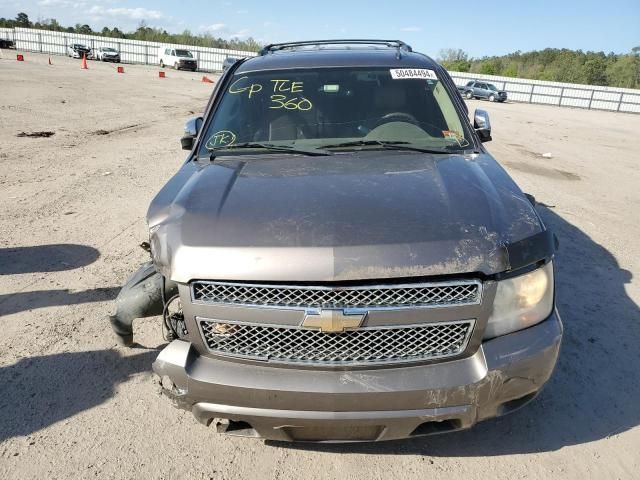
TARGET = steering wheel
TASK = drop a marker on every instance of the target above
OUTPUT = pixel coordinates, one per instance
(407, 117)
(397, 117)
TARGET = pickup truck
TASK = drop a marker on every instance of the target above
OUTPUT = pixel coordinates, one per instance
(482, 89)
(339, 258)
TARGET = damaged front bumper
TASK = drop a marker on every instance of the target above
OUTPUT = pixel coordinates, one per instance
(361, 405)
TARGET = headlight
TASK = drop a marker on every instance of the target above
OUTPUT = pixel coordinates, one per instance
(521, 302)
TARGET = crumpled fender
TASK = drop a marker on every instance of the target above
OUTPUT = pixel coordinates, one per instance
(140, 297)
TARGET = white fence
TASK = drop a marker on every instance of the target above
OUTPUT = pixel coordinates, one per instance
(131, 51)
(560, 94)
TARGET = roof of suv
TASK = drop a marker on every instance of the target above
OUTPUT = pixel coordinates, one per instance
(326, 54)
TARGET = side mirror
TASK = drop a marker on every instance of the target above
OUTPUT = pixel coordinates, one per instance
(191, 131)
(482, 125)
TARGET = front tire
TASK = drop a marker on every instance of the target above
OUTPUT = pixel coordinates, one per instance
(469, 95)
(176, 66)
(492, 98)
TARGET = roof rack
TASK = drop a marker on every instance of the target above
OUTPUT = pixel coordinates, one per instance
(400, 45)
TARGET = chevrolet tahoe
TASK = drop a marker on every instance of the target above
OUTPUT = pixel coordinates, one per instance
(340, 258)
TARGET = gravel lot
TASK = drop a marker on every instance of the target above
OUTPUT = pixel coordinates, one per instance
(73, 405)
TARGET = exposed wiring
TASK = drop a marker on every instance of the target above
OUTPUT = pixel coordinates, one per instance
(169, 332)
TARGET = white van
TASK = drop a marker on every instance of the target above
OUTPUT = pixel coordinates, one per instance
(177, 58)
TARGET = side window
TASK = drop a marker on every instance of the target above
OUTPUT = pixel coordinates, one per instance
(173, 53)
(470, 84)
(483, 86)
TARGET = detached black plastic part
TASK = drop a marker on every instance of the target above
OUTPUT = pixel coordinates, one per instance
(541, 246)
(141, 297)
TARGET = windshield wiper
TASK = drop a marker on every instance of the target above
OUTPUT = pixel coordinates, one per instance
(268, 146)
(391, 145)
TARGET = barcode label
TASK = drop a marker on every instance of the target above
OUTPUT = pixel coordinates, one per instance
(402, 73)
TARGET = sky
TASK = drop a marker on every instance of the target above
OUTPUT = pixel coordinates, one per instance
(494, 27)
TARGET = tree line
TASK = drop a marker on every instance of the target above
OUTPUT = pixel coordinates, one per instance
(554, 64)
(143, 32)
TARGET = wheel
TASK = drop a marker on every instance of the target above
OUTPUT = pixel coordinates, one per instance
(492, 98)
(469, 95)
(161, 64)
(397, 117)
(176, 66)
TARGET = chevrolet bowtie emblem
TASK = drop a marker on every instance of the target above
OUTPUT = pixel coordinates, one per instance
(332, 321)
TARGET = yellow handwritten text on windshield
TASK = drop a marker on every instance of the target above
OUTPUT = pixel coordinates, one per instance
(295, 103)
(281, 89)
(221, 139)
(280, 100)
(240, 86)
(287, 86)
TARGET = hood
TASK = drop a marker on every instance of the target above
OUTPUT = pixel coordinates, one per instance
(350, 216)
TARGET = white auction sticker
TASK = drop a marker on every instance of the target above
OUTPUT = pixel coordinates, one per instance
(402, 73)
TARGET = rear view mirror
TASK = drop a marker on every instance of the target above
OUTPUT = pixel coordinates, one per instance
(191, 131)
(482, 125)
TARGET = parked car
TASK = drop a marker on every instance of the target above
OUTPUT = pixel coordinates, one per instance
(78, 50)
(227, 62)
(340, 258)
(6, 43)
(107, 54)
(177, 58)
(481, 89)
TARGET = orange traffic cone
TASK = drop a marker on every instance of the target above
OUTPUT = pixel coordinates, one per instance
(120, 69)
(161, 74)
(206, 79)
(84, 62)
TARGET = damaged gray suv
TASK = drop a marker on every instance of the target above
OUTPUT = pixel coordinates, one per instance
(340, 259)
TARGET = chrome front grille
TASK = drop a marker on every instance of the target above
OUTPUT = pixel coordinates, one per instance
(367, 345)
(467, 292)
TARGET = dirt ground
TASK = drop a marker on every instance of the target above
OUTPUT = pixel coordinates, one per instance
(72, 206)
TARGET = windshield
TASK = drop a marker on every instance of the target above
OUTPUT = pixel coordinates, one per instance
(329, 107)
(183, 53)
(108, 49)
(492, 87)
